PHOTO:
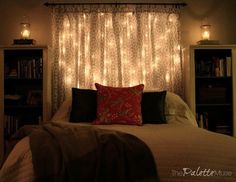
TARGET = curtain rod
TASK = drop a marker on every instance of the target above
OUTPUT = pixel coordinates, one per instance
(161, 4)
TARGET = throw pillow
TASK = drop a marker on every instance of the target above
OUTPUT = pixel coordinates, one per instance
(84, 105)
(153, 107)
(116, 105)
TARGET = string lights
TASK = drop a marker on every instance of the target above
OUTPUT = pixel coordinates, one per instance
(120, 49)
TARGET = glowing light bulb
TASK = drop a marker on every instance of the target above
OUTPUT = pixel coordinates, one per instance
(206, 35)
(167, 77)
(121, 41)
(173, 17)
(130, 14)
(143, 53)
(178, 47)
(68, 80)
(25, 30)
(128, 34)
(205, 32)
(131, 27)
(25, 34)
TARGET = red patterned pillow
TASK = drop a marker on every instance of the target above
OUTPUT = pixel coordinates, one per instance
(117, 105)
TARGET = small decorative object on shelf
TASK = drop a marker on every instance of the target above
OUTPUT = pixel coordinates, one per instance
(205, 29)
(206, 34)
(35, 97)
(25, 33)
(208, 42)
(24, 42)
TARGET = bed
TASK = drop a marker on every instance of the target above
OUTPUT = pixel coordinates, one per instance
(182, 151)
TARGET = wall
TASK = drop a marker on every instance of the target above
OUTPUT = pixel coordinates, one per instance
(220, 15)
(11, 13)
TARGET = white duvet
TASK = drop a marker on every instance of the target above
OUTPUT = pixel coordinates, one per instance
(182, 151)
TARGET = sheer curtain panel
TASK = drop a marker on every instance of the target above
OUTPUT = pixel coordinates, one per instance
(115, 46)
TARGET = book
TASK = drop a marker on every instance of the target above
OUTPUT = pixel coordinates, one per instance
(12, 73)
(34, 97)
(11, 125)
(221, 67)
(202, 120)
(12, 97)
(228, 66)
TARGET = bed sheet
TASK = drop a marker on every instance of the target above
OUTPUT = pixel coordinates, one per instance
(182, 153)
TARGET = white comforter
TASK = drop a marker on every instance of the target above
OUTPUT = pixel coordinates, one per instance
(182, 153)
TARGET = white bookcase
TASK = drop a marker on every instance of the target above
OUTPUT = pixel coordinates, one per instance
(213, 87)
(25, 89)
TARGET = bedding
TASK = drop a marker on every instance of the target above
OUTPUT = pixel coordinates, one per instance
(86, 153)
(182, 151)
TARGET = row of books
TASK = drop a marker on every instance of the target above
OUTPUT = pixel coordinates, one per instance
(202, 120)
(220, 127)
(27, 69)
(11, 125)
(217, 67)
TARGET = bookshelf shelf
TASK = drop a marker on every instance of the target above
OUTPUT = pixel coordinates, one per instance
(25, 89)
(23, 106)
(213, 77)
(23, 79)
(213, 87)
(214, 105)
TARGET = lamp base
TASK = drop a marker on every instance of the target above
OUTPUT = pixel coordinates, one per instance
(208, 42)
(24, 41)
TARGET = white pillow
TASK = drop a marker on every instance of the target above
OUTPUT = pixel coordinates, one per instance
(63, 113)
(177, 111)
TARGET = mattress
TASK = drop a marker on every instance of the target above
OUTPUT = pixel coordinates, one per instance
(181, 152)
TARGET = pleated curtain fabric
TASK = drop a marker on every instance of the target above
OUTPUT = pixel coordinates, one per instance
(115, 46)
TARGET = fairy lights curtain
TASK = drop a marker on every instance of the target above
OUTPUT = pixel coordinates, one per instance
(115, 46)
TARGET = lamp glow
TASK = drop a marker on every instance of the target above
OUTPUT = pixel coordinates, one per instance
(205, 29)
(25, 28)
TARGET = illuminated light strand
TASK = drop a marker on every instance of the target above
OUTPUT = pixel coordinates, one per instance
(147, 64)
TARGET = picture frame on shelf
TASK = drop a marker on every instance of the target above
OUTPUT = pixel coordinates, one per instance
(35, 97)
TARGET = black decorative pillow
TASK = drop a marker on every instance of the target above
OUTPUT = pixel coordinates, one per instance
(84, 105)
(153, 107)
